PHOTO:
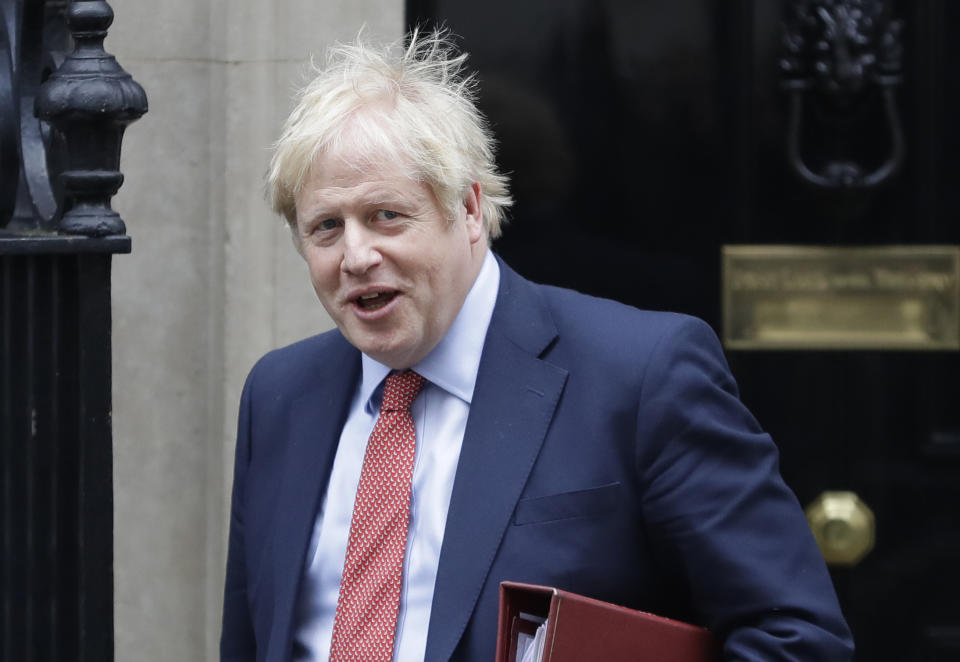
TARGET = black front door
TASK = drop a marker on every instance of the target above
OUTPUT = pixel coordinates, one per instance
(643, 137)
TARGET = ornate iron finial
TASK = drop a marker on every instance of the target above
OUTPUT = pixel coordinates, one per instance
(90, 100)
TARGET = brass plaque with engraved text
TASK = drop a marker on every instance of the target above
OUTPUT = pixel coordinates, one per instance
(803, 297)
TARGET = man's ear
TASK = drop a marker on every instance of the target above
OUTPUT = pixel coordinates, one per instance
(474, 213)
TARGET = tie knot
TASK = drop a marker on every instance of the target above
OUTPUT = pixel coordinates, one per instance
(400, 389)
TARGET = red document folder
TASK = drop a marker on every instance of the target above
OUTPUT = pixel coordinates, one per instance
(580, 629)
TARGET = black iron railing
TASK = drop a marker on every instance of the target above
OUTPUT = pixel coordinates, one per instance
(64, 104)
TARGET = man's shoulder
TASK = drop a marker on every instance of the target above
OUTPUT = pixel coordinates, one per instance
(575, 311)
(317, 345)
(304, 361)
(605, 321)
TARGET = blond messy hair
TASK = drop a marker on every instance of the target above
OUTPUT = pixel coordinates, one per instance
(410, 105)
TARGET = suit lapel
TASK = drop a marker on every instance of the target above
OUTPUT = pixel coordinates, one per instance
(313, 434)
(513, 404)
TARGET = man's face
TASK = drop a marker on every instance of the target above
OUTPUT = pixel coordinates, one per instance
(387, 265)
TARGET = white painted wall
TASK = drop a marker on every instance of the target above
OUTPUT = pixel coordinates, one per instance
(213, 282)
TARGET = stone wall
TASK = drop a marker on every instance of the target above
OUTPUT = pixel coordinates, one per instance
(213, 282)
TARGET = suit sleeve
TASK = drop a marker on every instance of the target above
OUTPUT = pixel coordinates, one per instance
(714, 501)
(237, 641)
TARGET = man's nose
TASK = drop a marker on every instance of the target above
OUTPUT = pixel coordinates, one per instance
(360, 250)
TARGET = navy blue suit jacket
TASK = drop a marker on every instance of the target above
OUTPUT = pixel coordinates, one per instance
(606, 453)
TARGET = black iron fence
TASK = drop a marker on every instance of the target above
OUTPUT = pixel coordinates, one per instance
(64, 104)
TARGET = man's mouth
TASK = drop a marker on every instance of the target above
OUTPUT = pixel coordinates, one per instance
(375, 300)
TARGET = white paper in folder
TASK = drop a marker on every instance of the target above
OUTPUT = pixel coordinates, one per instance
(530, 646)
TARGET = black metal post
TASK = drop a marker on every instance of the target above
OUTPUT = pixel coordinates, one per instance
(64, 103)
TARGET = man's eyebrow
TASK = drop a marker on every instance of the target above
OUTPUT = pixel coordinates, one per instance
(381, 195)
(384, 195)
(317, 212)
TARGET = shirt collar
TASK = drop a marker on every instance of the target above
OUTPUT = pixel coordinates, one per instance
(453, 363)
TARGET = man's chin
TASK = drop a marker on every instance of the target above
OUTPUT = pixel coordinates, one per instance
(392, 352)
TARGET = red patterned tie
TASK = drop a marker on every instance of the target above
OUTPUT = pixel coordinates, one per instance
(366, 618)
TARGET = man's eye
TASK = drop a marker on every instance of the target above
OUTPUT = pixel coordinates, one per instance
(387, 215)
(327, 224)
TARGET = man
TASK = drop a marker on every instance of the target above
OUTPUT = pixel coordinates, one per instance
(543, 436)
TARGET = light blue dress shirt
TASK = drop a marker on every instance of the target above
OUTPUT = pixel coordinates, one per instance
(440, 417)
